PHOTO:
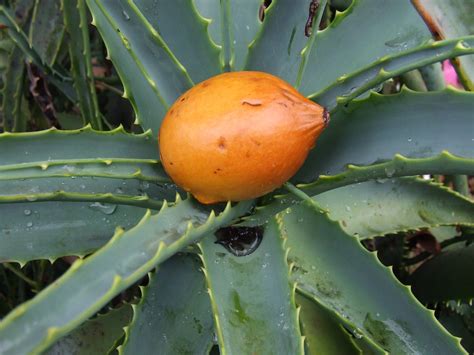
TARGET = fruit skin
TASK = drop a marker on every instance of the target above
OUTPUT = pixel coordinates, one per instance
(238, 135)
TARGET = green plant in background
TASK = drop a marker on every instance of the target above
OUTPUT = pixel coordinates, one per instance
(313, 284)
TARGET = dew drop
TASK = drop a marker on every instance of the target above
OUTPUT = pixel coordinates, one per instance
(27, 212)
(29, 224)
(105, 208)
(31, 198)
(389, 171)
(348, 208)
(410, 139)
(240, 241)
(125, 15)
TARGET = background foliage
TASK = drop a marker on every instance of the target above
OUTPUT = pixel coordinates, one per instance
(367, 250)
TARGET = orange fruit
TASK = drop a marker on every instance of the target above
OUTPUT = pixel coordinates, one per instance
(238, 135)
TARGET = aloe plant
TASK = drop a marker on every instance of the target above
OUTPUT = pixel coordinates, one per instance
(308, 280)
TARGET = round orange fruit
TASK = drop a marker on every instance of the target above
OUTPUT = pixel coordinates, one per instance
(238, 136)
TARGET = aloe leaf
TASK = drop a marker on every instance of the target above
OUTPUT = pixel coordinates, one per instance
(362, 39)
(281, 46)
(433, 281)
(325, 332)
(443, 164)
(433, 76)
(96, 336)
(82, 291)
(191, 44)
(49, 230)
(148, 106)
(234, 25)
(75, 19)
(415, 125)
(349, 86)
(46, 29)
(245, 26)
(85, 143)
(381, 207)
(252, 299)
(57, 76)
(460, 325)
(174, 314)
(49, 161)
(136, 48)
(385, 206)
(341, 275)
(12, 92)
(323, 335)
(450, 19)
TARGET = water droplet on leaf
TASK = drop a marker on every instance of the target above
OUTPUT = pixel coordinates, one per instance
(103, 207)
(240, 241)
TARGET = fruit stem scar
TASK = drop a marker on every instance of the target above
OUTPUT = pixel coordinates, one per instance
(326, 117)
(252, 102)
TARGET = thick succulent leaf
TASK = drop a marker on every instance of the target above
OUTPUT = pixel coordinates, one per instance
(174, 314)
(415, 125)
(361, 38)
(340, 274)
(48, 230)
(138, 51)
(56, 75)
(350, 86)
(252, 298)
(185, 33)
(47, 29)
(12, 92)
(234, 25)
(460, 324)
(83, 144)
(382, 207)
(441, 164)
(450, 19)
(75, 19)
(446, 276)
(385, 206)
(323, 335)
(47, 165)
(82, 291)
(148, 106)
(96, 336)
(281, 47)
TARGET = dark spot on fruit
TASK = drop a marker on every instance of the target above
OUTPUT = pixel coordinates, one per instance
(205, 84)
(183, 99)
(171, 111)
(282, 104)
(171, 163)
(256, 142)
(247, 154)
(221, 143)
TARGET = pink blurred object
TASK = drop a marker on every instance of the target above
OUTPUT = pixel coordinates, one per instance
(450, 75)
